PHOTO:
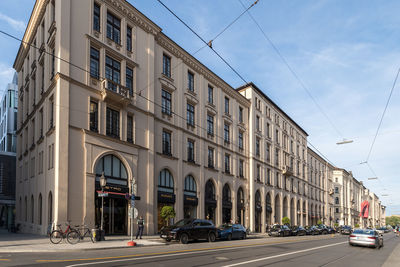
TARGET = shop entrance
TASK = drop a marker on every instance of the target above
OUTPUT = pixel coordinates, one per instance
(115, 215)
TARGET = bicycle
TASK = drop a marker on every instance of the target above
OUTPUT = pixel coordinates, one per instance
(57, 235)
(75, 235)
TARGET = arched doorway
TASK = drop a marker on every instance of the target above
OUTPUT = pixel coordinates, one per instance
(285, 207)
(240, 207)
(277, 209)
(210, 201)
(298, 213)
(115, 211)
(258, 209)
(50, 208)
(226, 204)
(292, 212)
(304, 213)
(165, 196)
(190, 198)
(268, 209)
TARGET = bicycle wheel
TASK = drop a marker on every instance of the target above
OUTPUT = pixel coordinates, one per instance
(73, 237)
(56, 236)
(89, 234)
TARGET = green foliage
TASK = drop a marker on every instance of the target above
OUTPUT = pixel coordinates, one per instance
(357, 225)
(319, 222)
(285, 221)
(393, 220)
(336, 225)
(167, 213)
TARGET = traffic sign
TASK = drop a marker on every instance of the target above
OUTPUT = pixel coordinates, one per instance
(132, 202)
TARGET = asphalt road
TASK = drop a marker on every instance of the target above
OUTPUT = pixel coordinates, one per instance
(287, 251)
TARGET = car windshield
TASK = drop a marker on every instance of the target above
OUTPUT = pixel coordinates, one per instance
(364, 232)
(183, 222)
(276, 227)
(225, 226)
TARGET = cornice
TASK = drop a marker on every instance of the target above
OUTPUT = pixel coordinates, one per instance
(130, 12)
(36, 16)
(198, 67)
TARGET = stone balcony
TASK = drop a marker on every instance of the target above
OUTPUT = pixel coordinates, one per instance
(115, 92)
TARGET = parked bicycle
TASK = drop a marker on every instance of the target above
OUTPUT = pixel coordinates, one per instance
(78, 234)
(59, 234)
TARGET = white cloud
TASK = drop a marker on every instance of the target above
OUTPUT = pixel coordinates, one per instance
(18, 25)
(6, 75)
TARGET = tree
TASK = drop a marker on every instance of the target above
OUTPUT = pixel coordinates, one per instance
(286, 221)
(319, 222)
(357, 225)
(167, 213)
(393, 220)
(336, 225)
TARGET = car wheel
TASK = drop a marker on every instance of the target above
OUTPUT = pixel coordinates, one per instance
(168, 239)
(184, 238)
(211, 237)
(229, 238)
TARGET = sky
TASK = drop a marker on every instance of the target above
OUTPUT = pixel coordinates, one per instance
(345, 53)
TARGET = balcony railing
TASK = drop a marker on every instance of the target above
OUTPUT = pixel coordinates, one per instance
(115, 91)
(287, 170)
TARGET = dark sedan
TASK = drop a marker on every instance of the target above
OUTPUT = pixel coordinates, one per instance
(189, 229)
(298, 230)
(346, 230)
(280, 230)
(313, 230)
(324, 229)
(232, 231)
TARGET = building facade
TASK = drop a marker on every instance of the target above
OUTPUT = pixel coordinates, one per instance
(110, 93)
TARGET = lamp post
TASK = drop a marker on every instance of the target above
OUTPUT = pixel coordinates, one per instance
(103, 182)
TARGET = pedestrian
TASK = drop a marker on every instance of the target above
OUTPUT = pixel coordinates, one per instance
(140, 224)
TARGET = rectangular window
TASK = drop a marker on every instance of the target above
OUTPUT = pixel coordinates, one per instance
(210, 124)
(258, 173)
(336, 190)
(94, 116)
(277, 180)
(129, 129)
(166, 143)
(94, 63)
(227, 163)
(51, 156)
(41, 122)
(42, 77)
(96, 17)
(113, 28)
(268, 177)
(210, 94)
(241, 114)
(240, 140)
(226, 105)
(190, 151)
(268, 130)
(165, 102)
(190, 114)
(32, 169)
(112, 123)
(41, 162)
(268, 152)
(257, 147)
(51, 113)
(113, 73)
(129, 38)
(167, 65)
(241, 163)
(277, 157)
(277, 136)
(33, 132)
(258, 123)
(190, 81)
(53, 63)
(226, 133)
(210, 157)
(129, 80)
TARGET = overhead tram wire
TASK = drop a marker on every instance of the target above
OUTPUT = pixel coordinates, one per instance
(293, 72)
(204, 41)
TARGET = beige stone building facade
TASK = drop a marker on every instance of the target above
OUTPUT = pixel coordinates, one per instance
(102, 89)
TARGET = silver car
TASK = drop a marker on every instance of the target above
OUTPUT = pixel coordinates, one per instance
(366, 237)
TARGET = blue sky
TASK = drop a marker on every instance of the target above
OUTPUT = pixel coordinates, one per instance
(347, 54)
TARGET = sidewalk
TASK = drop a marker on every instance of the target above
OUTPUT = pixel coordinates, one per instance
(11, 242)
(394, 258)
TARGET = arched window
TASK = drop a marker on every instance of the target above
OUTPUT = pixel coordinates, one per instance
(226, 193)
(165, 181)
(336, 200)
(50, 208)
(190, 186)
(210, 190)
(240, 196)
(113, 168)
(40, 209)
(32, 209)
(268, 200)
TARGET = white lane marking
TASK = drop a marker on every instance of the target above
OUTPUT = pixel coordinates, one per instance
(282, 255)
(190, 252)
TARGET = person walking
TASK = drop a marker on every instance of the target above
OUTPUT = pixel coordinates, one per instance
(140, 223)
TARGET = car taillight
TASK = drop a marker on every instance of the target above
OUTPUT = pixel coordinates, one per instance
(352, 236)
(372, 237)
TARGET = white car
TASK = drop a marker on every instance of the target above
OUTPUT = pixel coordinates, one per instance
(366, 237)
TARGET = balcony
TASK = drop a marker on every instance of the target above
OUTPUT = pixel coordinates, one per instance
(287, 170)
(115, 92)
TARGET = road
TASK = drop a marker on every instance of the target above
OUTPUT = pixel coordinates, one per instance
(287, 251)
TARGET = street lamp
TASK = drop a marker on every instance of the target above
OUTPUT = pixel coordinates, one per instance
(103, 182)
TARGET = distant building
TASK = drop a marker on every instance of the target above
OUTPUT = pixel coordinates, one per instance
(8, 117)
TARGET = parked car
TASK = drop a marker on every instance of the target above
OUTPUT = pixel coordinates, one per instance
(280, 230)
(298, 230)
(346, 230)
(331, 230)
(232, 231)
(189, 229)
(366, 237)
(323, 228)
(313, 230)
